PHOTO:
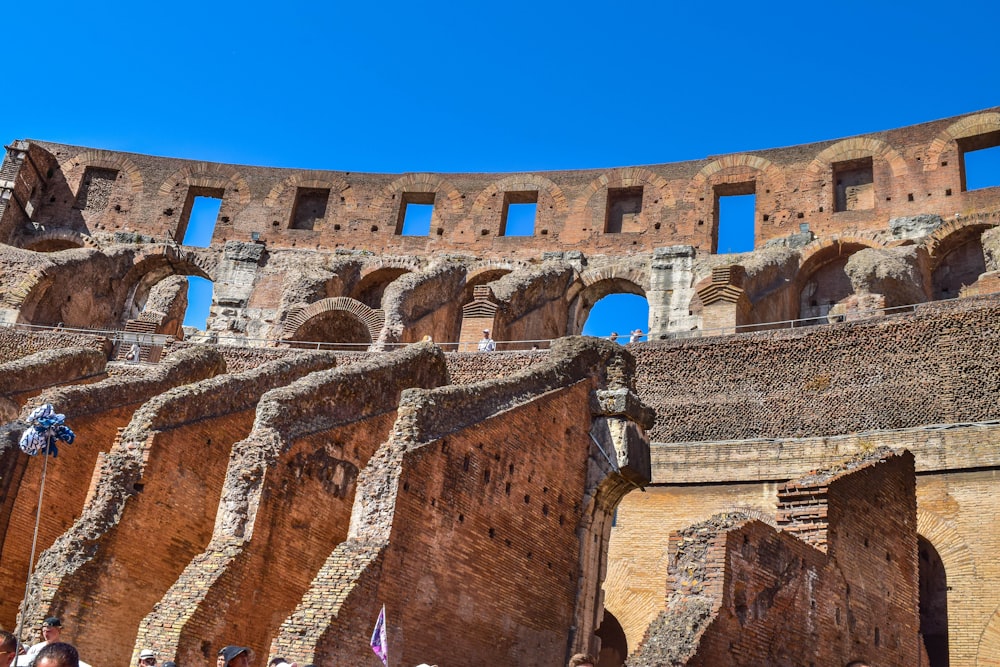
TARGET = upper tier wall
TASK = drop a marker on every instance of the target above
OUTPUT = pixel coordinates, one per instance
(835, 187)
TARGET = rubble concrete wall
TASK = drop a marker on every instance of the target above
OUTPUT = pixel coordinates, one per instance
(166, 468)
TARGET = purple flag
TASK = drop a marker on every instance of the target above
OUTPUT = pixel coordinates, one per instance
(379, 643)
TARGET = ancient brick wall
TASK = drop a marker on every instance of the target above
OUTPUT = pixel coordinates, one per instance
(15, 344)
(285, 505)
(902, 172)
(107, 572)
(937, 366)
(742, 593)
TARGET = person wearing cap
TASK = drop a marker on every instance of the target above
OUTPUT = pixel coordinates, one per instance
(51, 629)
(582, 660)
(235, 656)
(147, 658)
(487, 344)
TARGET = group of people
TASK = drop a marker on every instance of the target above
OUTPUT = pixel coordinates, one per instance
(633, 337)
(50, 652)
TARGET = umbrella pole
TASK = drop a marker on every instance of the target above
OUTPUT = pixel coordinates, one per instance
(34, 543)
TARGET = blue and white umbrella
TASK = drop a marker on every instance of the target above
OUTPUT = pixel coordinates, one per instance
(47, 426)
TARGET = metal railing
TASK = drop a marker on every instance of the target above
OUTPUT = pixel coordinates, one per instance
(120, 336)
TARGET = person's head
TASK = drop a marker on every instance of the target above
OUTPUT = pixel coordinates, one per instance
(147, 658)
(582, 660)
(235, 656)
(486, 333)
(57, 654)
(51, 629)
(8, 648)
(170, 663)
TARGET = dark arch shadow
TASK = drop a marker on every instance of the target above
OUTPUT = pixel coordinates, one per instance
(614, 645)
(933, 603)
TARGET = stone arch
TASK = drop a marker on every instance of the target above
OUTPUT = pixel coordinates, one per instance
(487, 271)
(656, 199)
(955, 256)
(155, 263)
(946, 143)
(105, 160)
(599, 283)
(988, 651)
(816, 297)
(371, 287)
(634, 608)
(950, 545)
(372, 319)
(387, 201)
(54, 240)
(733, 169)
(854, 149)
(208, 175)
(27, 294)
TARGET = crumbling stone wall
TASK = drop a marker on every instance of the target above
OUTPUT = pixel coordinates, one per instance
(741, 592)
(96, 413)
(451, 448)
(285, 504)
(108, 571)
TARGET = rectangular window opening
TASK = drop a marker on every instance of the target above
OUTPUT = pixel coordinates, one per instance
(415, 214)
(853, 185)
(519, 212)
(624, 212)
(735, 210)
(980, 163)
(310, 207)
(201, 211)
(95, 189)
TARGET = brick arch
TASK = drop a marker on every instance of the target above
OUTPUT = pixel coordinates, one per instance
(988, 650)
(950, 544)
(374, 320)
(635, 275)
(853, 149)
(167, 260)
(634, 608)
(373, 264)
(209, 175)
(732, 169)
(595, 284)
(106, 160)
(955, 232)
(970, 126)
(311, 179)
(519, 183)
(387, 200)
(27, 293)
(31, 241)
(627, 177)
(818, 252)
(491, 265)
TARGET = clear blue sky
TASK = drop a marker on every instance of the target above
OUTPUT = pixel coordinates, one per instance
(471, 86)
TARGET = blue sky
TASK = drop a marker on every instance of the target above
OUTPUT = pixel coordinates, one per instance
(513, 86)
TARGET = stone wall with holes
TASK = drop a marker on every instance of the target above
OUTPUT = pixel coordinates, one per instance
(842, 186)
(19, 343)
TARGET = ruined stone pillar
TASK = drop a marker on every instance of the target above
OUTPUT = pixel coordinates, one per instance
(671, 287)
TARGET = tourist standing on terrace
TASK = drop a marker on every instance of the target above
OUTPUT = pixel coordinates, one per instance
(487, 344)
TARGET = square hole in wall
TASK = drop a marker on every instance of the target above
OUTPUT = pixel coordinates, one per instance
(854, 185)
(624, 210)
(198, 218)
(415, 212)
(519, 212)
(980, 163)
(95, 189)
(309, 208)
(735, 210)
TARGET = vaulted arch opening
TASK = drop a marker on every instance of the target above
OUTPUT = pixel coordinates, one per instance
(614, 644)
(933, 603)
(823, 282)
(334, 330)
(960, 263)
(612, 305)
(371, 288)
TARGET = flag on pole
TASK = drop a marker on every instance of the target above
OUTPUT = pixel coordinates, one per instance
(379, 644)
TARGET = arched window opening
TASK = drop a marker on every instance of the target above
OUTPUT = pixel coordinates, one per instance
(335, 330)
(959, 268)
(614, 644)
(933, 603)
(619, 314)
